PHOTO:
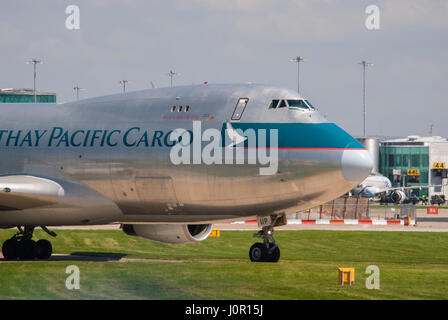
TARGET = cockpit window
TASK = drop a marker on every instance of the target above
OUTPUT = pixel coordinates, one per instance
(282, 104)
(293, 104)
(309, 103)
(300, 104)
(273, 104)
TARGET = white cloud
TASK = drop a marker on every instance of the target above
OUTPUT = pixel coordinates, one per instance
(9, 34)
(415, 14)
(236, 5)
(302, 22)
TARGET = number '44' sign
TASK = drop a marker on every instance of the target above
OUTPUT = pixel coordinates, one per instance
(413, 172)
(439, 165)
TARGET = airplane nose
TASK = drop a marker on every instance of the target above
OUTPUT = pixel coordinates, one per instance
(356, 165)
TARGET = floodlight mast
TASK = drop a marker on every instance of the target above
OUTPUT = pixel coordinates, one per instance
(34, 62)
(298, 59)
(77, 88)
(123, 82)
(171, 74)
(364, 65)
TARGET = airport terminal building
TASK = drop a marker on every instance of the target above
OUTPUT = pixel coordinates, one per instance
(416, 161)
(11, 95)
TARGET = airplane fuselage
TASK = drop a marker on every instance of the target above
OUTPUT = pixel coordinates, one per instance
(111, 157)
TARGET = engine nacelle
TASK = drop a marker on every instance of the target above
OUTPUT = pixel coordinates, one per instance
(169, 233)
(397, 196)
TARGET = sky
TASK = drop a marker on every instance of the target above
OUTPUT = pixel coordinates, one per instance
(238, 41)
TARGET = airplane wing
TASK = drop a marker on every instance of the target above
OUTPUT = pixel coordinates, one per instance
(387, 190)
(18, 192)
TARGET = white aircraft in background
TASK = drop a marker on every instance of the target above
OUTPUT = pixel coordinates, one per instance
(377, 185)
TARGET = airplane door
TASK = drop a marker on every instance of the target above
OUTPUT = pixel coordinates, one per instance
(239, 108)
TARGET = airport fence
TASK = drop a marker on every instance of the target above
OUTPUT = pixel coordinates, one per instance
(355, 208)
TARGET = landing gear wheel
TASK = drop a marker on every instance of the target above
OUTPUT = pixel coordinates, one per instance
(273, 253)
(268, 251)
(258, 252)
(21, 245)
(27, 249)
(43, 249)
(10, 249)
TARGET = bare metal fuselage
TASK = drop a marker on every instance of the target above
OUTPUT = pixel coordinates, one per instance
(111, 157)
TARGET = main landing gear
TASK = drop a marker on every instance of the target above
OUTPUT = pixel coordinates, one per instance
(268, 251)
(21, 246)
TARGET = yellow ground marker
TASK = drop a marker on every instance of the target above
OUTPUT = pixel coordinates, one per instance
(346, 276)
(216, 233)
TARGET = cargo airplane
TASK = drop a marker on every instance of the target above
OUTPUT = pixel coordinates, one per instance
(108, 160)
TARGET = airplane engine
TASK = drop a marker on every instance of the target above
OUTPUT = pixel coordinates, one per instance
(169, 233)
(397, 196)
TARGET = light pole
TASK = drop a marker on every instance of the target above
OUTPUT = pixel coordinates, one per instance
(364, 65)
(298, 59)
(76, 88)
(34, 62)
(123, 82)
(171, 74)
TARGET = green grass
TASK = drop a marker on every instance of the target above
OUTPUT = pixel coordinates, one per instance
(413, 265)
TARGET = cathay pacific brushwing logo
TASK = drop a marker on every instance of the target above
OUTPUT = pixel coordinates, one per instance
(234, 136)
(226, 146)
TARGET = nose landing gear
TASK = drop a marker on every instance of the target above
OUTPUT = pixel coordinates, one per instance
(21, 246)
(268, 251)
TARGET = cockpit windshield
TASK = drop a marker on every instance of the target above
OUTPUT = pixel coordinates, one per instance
(309, 103)
(291, 103)
(300, 104)
(274, 104)
(282, 104)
